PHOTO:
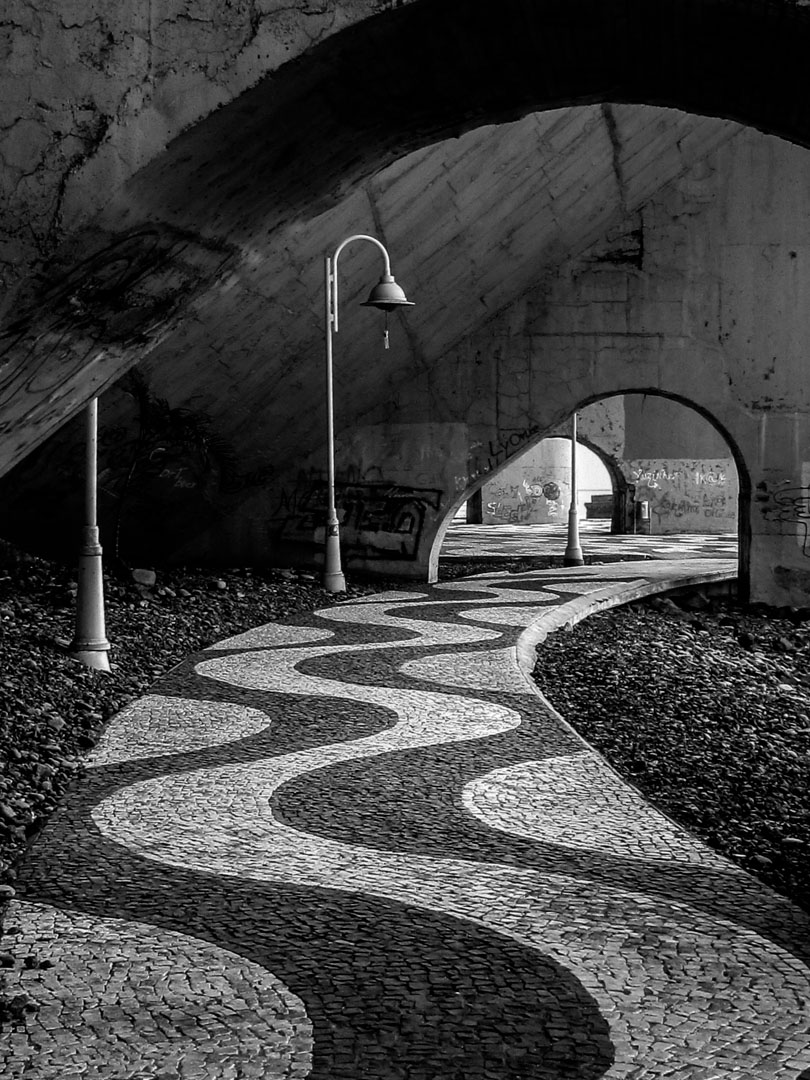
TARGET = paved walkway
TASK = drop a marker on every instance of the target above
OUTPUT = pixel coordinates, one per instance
(525, 541)
(360, 846)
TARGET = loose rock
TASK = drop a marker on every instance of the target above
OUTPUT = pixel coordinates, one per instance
(716, 738)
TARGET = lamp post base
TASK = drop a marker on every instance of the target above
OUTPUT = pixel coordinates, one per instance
(573, 552)
(334, 582)
(89, 644)
(333, 579)
(92, 658)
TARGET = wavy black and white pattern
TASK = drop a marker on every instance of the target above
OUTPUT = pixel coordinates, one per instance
(421, 871)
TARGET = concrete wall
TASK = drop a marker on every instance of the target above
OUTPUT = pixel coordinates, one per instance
(684, 493)
(90, 92)
(673, 457)
(687, 496)
(712, 315)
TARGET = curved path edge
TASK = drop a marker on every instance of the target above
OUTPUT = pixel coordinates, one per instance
(615, 595)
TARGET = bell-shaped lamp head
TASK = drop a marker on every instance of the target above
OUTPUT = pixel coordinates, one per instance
(387, 295)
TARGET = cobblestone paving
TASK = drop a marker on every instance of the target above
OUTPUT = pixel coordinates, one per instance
(521, 541)
(360, 846)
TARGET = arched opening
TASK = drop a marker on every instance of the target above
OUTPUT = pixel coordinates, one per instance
(535, 489)
(623, 517)
(674, 473)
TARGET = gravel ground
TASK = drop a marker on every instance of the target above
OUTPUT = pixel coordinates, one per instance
(705, 708)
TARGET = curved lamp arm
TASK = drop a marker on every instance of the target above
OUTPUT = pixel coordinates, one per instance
(333, 278)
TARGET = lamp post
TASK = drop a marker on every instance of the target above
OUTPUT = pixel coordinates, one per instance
(573, 552)
(89, 642)
(385, 295)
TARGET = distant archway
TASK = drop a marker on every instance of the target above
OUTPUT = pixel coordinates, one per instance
(622, 518)
(537, 489)
(672, 467)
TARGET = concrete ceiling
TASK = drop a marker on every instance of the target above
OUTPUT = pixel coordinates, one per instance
(251, 175)
(470, 224)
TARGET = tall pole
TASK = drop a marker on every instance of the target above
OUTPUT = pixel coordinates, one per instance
(386, 296)
(573, 552)
(334, 580)
(90, 643)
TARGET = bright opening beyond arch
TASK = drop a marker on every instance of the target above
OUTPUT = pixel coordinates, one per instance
(536, 489)
(647, 465)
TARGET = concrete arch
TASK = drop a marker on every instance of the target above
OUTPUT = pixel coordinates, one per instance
(726, 58)
(308, 130)
(618, 479)
(279, 127)
(743, 476)
(160, 72)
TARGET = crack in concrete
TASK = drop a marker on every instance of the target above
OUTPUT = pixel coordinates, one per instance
(94, 138)
(612, 129)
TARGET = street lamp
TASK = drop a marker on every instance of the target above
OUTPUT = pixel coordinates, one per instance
(385, 295)
(573, 552)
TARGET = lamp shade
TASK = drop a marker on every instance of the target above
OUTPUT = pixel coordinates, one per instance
(387, 295)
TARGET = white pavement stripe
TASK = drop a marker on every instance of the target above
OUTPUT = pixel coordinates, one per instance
(156, 725)
(491, 670)
(500, 593)
(274, 634)
(578, 801)
(126, 1024)
(501, 615)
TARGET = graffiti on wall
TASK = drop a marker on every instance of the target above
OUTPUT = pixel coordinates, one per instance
(671, 474)
(687, 495)
(788, 506)
(524, 502)
(378, 520)
(486, 457)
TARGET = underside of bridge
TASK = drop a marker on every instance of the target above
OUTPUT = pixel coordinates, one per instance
(582, 199)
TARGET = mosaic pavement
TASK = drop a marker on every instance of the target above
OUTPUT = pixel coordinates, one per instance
(360, 846)
(518, 541)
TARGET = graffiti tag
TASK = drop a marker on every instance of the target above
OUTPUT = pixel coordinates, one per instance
(791, 506)
(378, 520)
